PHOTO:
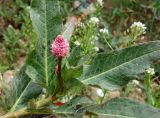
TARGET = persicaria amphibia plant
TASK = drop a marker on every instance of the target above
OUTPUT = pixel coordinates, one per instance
(84, 85)
(60, 48)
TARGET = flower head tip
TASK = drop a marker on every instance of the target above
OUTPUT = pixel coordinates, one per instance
(60, 47)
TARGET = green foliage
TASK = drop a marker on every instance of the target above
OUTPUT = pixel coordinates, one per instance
(85, 35)
(11, 43)
(126, 11)
(47, 23)
(23, 90)
(108, 71)
(124, 108)
(16, 31)
(116, 69)
(6, 91)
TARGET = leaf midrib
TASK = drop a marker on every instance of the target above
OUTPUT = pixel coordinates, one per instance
(17, 101)
(103, 114)
(117, 67)
(46, 45)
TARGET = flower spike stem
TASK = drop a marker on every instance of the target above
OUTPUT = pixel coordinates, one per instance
(59, 76)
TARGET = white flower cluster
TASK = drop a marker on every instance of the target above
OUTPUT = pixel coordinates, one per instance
(150, 71)
(94, 20)
(100, 2)
(104, 31)
(138, 24)
(138, 27)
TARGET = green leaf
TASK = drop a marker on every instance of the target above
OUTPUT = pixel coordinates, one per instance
(70, 72)
(75, 56)
(69, 27)
(3, 67)
(33, 74)
(124, 108)
(111, 71)
(47, 23)
(46, 19)
(23, 90)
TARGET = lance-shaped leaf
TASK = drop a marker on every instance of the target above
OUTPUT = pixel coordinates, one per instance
(47, 23)
(125, 108)
(46, 19)
(23, 90)
(116, 69)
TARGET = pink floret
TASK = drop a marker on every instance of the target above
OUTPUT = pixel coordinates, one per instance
(60, 47)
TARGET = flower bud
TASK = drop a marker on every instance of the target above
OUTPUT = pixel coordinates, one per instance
(100, 92)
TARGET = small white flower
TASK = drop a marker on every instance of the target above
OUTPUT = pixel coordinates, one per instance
(77, 43)
(105, 31)
(100, 2)
(43, 96)
(96, 49)
(44, 90)
(100, 92)
(77, 4)
(150, 71)
(139, 90)
(94, 20)
(10, 26)
(135, 82)
(64, 100)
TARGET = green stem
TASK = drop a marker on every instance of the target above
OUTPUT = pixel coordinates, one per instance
(43, 102)
(59, 76)
(16, 114)
(105, 92)
(24, 111)
(109, 45)
(150, 98)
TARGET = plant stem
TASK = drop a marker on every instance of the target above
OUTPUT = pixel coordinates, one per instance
(16, 114)
(105, 92)
(150, 98)
(59, 76)
(43, 102)
(24, 111)
(108, 43)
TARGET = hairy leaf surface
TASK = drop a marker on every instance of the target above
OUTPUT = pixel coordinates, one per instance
(24, 90)
(46, 19)
(47, 23)
(116, 69)
(125, 108)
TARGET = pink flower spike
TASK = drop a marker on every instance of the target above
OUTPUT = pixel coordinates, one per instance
(60, 47)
